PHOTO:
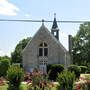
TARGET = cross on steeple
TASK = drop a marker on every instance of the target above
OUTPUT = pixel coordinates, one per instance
(54, 26)
(54, 15)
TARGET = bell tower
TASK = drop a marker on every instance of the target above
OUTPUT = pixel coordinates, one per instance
(54, 29)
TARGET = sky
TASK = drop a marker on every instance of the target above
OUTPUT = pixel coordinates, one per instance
(12, 32)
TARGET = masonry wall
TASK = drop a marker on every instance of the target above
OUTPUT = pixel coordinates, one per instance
(56, 54)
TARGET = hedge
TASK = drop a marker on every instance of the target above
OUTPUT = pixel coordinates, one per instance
(76, 69)
(83, 69)
(53, 69)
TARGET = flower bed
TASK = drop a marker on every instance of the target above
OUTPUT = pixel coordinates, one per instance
(84, 82)
(37, 80)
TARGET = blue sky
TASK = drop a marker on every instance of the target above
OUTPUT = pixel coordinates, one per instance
(12, 32)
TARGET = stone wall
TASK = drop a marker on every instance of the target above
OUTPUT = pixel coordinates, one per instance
(56, 54)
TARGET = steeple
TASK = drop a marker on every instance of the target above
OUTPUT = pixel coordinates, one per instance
(55, 30)
(54, 26)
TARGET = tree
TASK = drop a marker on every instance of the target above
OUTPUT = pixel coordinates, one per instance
(16, 56)
(81, 45)
(4, 65)
(4, 57)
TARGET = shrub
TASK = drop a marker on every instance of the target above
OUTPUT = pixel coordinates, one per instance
(66, 80)
(54, 69)
(76, 70)
(14, 75)
(16, 64)
(4, 65)
(88, 65)
(88, 70)
(83, 69)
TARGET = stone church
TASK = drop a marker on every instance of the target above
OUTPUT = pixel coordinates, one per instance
(45, 48)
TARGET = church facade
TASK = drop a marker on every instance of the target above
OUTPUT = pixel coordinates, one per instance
(45, 48)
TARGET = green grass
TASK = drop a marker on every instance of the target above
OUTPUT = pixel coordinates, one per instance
(3, 87)
(23, 86)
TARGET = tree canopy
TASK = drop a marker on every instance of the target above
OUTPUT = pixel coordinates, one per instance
(5, 57)
(16, 56)
(4, 65)
(81, 45)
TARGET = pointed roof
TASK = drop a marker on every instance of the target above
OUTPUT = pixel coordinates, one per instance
(54, 26)
(47, 31)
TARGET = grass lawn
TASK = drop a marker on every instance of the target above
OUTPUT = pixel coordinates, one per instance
(23, 87)
(3, 87)
(6, 86)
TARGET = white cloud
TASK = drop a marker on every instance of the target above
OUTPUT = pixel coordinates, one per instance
(2, 53)
(27, 15)
(64, 39)
(7, 8)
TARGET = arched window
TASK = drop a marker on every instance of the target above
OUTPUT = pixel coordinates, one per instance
(43, 49)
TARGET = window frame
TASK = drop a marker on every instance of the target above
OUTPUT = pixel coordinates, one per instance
(44, 45)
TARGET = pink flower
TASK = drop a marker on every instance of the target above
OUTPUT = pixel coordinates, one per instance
(24, 75)
(53, 85)
(45, 73)
(52, 81)
(42, 84)
(45, 80)
(78, 87)
(39, 84)
(41, 73)
(81, 78)
(28, 73)
(28, 81)
(48, 84)
(88, 81)
(27, 76)
(32, 74)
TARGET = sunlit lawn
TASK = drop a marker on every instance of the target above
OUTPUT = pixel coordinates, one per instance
(6, 86)
(3, 87)
(24, 87)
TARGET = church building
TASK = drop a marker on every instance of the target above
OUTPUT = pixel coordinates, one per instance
(45, 48)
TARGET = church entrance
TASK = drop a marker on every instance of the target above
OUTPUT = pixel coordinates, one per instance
(43, 66)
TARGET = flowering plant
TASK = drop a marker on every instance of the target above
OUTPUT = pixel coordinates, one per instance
(37, 80)
(84, 82)
(81, 85)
